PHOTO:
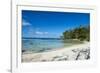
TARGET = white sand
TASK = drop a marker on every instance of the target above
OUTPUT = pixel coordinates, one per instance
(70, 53)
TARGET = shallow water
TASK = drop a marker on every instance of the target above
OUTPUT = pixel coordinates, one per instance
(41, 45)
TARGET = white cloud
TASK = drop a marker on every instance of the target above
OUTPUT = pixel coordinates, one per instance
(38, 32)
(45, 32)
(25, 23)
(41, 33)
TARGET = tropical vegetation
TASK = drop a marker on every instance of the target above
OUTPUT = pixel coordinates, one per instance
(81, 33)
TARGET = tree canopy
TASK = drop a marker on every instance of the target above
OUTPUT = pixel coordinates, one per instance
(81, 33)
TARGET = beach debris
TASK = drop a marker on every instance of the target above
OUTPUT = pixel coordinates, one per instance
(83, 54)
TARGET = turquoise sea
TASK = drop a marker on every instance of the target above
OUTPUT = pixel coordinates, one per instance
(45, 44)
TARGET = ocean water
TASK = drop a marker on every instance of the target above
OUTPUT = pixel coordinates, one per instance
(42, 45)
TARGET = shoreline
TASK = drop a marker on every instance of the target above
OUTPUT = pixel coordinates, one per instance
(75, 52)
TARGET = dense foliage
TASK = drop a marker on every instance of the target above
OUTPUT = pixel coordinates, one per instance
(81, 33)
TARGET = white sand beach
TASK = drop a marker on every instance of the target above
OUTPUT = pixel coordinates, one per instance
(75, 52)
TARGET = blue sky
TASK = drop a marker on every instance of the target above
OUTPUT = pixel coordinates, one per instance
(46, 24)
